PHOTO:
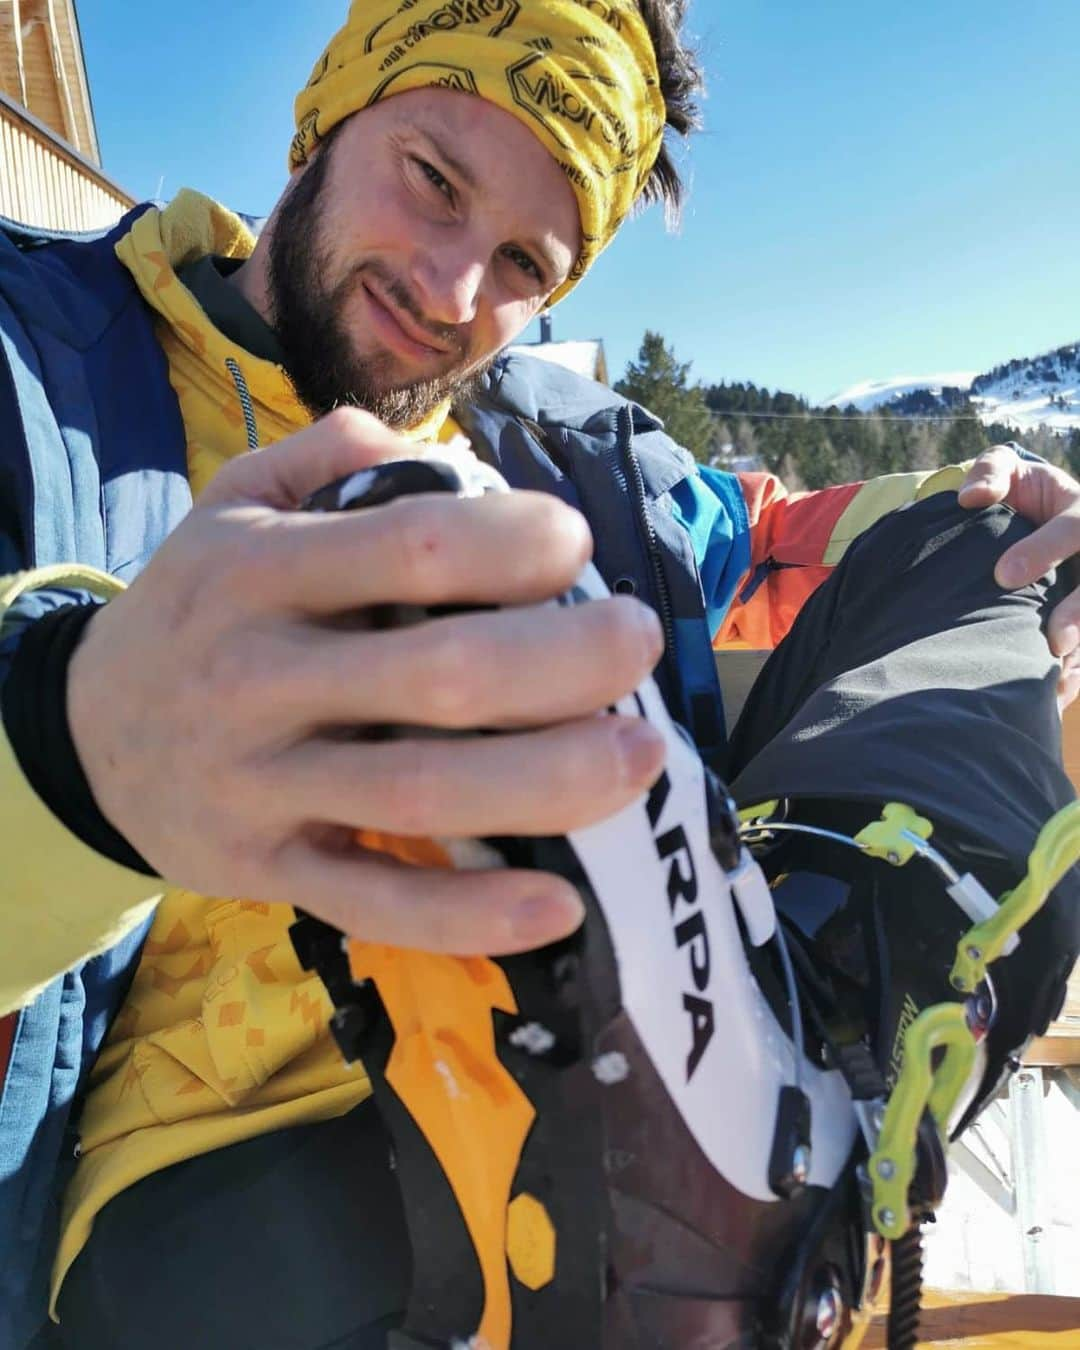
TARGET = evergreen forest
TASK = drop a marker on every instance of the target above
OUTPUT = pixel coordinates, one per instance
(744, 425)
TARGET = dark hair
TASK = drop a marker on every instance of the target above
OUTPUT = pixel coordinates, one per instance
(680, 81)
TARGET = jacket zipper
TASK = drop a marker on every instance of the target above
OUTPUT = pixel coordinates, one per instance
(246, 406)
(761, 574)
(636, 484)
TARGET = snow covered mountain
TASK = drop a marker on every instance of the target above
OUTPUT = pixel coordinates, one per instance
(1025, 393)
(873, 393)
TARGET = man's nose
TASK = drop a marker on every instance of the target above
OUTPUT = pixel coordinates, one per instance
(449, 283)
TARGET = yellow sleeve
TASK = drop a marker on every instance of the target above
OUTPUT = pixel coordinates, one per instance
(60, 901)
(878, 496)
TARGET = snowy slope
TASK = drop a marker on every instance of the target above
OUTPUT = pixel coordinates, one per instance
(873, 393)
(1025, 393)
(1042, 391)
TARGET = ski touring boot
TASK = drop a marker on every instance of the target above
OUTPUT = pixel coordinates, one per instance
(712, 1117)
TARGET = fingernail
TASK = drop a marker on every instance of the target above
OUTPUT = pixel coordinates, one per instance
(546, 917)
(1010, 572)
(642, 750)
(1066, 641)
(652, 631)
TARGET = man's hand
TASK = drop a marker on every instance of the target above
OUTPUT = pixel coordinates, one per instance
(219, 705)
(1049, 498)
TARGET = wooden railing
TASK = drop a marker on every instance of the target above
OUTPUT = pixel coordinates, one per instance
(44, 181)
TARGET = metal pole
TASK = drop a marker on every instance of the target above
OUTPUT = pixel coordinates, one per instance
(991, 1185)
(1031, 1172)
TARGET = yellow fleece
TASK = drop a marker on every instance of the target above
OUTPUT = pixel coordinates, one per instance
(50, 921)
(223, 1036)
(191, 227)
(159, 243)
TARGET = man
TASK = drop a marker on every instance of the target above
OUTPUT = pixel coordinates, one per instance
(190, 728)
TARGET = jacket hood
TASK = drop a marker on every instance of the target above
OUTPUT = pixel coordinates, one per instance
(570, 406)
(549, 394)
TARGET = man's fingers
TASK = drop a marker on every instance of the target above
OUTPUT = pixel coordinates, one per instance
(1063, 630)
(1039, 553)
(283, 475)
(531, 783)
(1069, 683)
(504, 668)
(989, 478)
(1050, 546)
(504, 548)
(373, 898)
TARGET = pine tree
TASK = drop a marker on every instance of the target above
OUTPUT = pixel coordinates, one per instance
(966, 439)
(660, 383)
(1072, 452)
(926, 444)
(817, 460)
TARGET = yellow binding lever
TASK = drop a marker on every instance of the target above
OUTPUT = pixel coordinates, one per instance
(892, 1164)
(1056, 850)
(890, 837)
(748, 815)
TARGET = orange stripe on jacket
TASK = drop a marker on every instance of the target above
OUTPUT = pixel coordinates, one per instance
(789, 533)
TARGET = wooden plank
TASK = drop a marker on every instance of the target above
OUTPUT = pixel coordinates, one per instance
(1068, 1024)
(52, 174)
(48, 183)
(9, 59)
(9, 71)
(33, 179)
(37, 160)
(17, 34)
(7, 173)
(71, 51)
(11, 149)
(992, 1322)
(70, 129)
(42, 68)
(7, 186)
(41, 178)
(42, 94)
(22, 172)
(1053, 1052)
(74, 190)
(1061, 1045)
(67, 191)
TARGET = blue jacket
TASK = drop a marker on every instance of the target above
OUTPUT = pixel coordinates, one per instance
(93, 470)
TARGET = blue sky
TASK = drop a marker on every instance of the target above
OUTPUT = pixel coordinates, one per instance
(880, 189)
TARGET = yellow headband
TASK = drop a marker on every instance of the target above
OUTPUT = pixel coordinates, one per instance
(580, 74)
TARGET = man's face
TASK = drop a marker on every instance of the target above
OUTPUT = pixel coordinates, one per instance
(421, 238)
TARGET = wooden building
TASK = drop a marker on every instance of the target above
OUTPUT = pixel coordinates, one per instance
(50, 166)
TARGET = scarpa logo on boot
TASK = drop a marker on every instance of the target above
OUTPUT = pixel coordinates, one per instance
(690, 931)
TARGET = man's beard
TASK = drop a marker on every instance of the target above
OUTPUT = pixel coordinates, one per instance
(308, 317)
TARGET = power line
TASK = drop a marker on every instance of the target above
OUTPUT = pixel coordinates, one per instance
(842, 417)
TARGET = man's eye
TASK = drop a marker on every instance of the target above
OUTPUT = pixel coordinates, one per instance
(434, 177)
(521, 259)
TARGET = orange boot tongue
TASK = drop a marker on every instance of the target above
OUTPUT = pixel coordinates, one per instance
(416, 852)
(446, 1073)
